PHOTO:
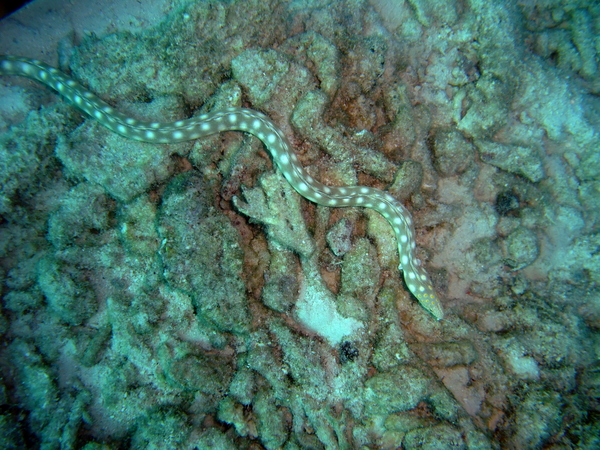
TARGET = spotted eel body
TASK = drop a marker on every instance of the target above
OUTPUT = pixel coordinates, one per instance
(259, 125)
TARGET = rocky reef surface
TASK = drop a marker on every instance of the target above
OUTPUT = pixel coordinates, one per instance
(185, 296)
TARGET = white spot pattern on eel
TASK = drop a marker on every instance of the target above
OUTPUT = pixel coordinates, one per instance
(257, 124)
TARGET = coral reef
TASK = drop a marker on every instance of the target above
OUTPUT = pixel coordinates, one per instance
(185, 296)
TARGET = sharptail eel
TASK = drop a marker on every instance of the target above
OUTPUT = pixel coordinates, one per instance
(257, 124)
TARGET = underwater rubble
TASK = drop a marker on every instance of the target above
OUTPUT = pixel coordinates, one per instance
(184, 295)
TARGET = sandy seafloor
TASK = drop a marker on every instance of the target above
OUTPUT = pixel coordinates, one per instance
(184, 296)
